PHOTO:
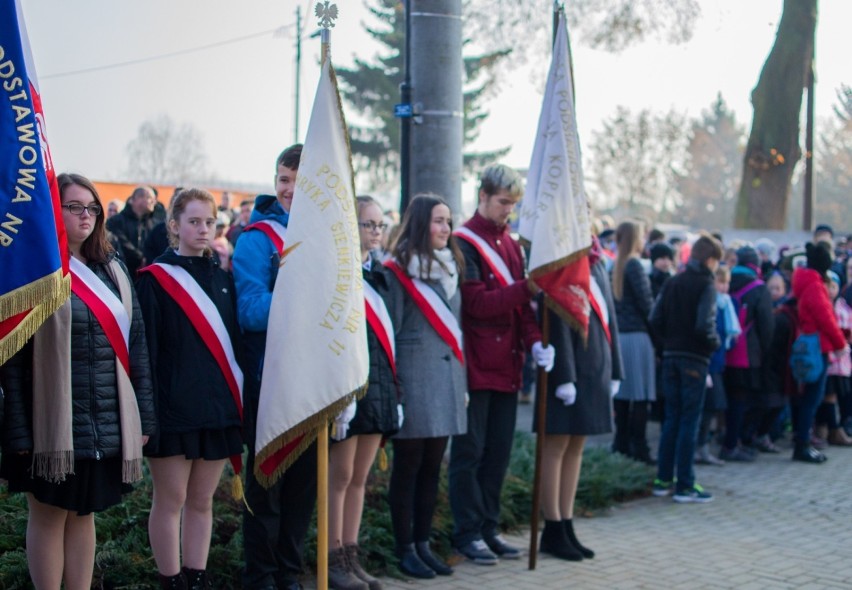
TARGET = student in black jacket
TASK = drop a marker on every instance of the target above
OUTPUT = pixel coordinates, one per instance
(190, 311)
(684, 320)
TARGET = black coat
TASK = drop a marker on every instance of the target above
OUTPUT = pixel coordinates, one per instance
(684, 316)
(592, 365)
(131, 231)
(636, 301)
(95, 417)
(376, 413)
(192, 393)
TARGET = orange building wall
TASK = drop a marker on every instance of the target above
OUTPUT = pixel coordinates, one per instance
(120, 191)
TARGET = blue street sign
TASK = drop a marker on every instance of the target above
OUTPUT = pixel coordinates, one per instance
(402, 111)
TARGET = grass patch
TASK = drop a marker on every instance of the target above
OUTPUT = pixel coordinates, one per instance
(124, 561)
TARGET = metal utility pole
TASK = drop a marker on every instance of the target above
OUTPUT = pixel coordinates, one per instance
(405, 121)
(298, 73)
(436, 73)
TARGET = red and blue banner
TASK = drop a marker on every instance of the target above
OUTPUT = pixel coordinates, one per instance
(33, 254)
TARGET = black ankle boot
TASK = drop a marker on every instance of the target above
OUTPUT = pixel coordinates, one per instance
(555, 542)
(424, 552)
(411, 564)
(176, 582)
(568, 525)
(196, 579)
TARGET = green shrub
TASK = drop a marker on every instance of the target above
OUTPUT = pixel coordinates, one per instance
(123, 559)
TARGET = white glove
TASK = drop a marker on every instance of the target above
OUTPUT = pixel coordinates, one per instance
(614, 387)
(341, 423)
(708, 383)
(466, 399)
(399, 414)
(567, 392)
(543, 356)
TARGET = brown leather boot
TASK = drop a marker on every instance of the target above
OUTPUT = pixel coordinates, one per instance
(340, 576)
(352, 554)
(839, 438)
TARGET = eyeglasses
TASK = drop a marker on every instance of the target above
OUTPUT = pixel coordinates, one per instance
(77, 209)
(372, 226)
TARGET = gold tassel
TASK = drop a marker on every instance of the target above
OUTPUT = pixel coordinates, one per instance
(333, 431)
(237, 492)
(383, 459)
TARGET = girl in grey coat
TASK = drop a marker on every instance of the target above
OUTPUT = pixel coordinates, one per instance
(431, 374)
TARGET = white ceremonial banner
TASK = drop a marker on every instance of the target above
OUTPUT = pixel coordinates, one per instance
(316, 359)
(555, 212)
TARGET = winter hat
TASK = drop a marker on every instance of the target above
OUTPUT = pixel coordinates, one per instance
(747, 256)
(833, 277)
(765, 247)
(819, 257)
(661, 250)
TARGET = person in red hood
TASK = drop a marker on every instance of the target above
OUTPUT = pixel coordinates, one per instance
(816, 314)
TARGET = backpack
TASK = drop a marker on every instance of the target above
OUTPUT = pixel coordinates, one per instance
(737, 356)
(806, 359)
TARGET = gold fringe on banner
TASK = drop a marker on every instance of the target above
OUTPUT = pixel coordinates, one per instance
(42, 297)
(308, 429)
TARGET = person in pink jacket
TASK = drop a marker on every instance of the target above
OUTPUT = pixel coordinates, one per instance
(816, 315)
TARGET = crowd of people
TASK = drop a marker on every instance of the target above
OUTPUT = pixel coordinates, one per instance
(159, 354)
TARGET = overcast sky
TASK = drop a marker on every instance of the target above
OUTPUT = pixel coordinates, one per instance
(239, 91)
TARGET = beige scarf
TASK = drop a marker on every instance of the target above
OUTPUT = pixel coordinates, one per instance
(53, 440)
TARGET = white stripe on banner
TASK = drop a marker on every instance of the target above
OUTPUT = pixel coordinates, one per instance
(110, 299)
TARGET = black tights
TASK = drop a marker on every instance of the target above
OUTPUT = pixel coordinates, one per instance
(413, 489)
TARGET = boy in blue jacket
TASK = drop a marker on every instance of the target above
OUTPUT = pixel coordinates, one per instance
(274, 534)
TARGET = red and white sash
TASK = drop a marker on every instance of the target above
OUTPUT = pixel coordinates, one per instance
(379, 320)
(107, 308)
(205, 318)
(273, 230)
(436, 312)
(491, 257)
(598, 302)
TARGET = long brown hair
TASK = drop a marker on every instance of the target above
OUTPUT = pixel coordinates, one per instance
(96, 248)
(628, 240)
(415, 238)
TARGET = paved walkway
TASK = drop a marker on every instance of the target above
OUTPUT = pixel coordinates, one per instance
(773, 524)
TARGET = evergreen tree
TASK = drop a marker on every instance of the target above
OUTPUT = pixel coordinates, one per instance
(713, 168)
(372, 88)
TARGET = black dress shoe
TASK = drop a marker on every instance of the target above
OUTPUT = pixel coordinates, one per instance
(424, 552)
(501, 548)
(411, 564)
(808, 454)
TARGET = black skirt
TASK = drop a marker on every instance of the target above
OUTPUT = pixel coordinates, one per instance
(210, 445)
(93, 487)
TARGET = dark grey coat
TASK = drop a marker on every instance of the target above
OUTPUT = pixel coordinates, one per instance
(591, 366)
(432, 378)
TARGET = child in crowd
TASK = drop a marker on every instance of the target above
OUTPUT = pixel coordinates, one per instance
(728, 327)
(662, 262)
(684, 320)
(777, 285)
(839, 370)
